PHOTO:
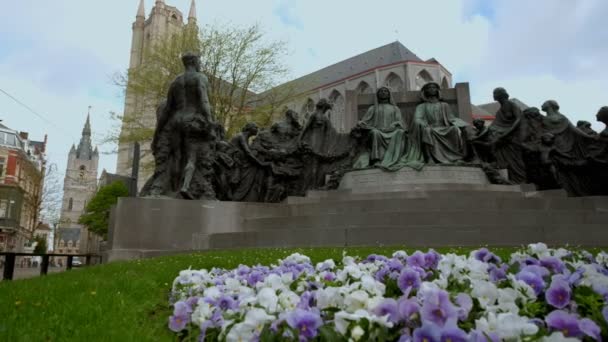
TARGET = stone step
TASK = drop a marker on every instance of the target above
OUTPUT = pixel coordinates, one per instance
(471, 216)
(414, 236)
(447, 203)
(484, 194)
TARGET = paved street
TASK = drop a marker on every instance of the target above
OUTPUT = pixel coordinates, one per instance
(31, 272)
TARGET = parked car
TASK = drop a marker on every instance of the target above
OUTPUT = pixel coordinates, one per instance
(76, 262)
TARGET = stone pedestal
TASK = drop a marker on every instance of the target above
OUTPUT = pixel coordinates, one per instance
(375, 178)
(439, 206)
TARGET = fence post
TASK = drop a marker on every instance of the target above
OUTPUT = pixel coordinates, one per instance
(9, 266)
(44, 265)
(70, 260)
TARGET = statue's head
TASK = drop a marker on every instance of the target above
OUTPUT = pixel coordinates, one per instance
(383, 94)
(323, 105)
(602, 115)
(550, 105)
(547, 139)
(479, 124)
(500, 94)
(291, 115)
(191, 59)
(532, 112)
(430, 89)
(251, 128)
(583, 124)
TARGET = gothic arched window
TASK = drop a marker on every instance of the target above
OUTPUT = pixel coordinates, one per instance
(444, 83)
(394, 82)
(337, 112)
(423, 78)
(364, 88)
(307, 109)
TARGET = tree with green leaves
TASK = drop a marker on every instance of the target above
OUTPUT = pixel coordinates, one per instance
(97, 213)
(242, 66)
(41, 245)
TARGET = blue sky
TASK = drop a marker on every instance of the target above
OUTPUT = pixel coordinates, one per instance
(58, 56)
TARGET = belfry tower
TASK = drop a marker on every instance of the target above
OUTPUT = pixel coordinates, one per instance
(79, 186)
(163, 20)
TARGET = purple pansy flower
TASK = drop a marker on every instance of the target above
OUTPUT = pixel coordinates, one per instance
(416, 259)
(558, 294)
(552, 263)
(465, 304)
(480, 336)
(306, 300)
(306, 322)
(452, 333)
(408, 279)
(180, 317)
(590, 328)
(431, 259)
(535, 281)
(388, 307)
(497, 273)
(255, 277)
(566, 323)
(408, 308)
(428, 332)
(437, 308)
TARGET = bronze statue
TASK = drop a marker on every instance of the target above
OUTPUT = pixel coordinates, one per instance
(585, 126)
(436, 132)
(505, 137)
(184, 138)
(249, 178)
(386, 131)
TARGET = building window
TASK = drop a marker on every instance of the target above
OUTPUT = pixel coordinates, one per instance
(3, 208)
(70, 204)
(423, 78)
(2, 162)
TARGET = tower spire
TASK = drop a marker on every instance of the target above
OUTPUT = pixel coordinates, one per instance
(192, 14)
(141, 13)
(87, 125)
(85, 148)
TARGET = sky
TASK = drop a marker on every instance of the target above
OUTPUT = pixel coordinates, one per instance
(58, 57)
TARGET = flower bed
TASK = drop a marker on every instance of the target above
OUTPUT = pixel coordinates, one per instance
(539, 294)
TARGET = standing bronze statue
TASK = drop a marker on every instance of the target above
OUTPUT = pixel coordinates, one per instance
(505, 137)
(184, 139)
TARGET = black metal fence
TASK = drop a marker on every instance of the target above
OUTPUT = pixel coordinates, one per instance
(11, 258)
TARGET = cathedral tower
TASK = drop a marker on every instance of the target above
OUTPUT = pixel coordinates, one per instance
(163, 20)
(79, 185)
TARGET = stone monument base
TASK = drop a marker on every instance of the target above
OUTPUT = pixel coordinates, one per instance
(451, 206)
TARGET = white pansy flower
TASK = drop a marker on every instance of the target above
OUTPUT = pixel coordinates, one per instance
(202, 312)
(329, 297)
(212, 292)
(485, 291)
(240, 332)
(400, 255)
(268, 299)
(232, 285)
(288, 300)
(511, 326)
(540, 249)
(558, 336)
(328, 264)
(356, 333)
(356, 300)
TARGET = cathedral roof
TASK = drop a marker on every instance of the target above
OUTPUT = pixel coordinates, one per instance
(384, 55)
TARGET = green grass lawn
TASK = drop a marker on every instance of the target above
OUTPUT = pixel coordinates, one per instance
(128, 301)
